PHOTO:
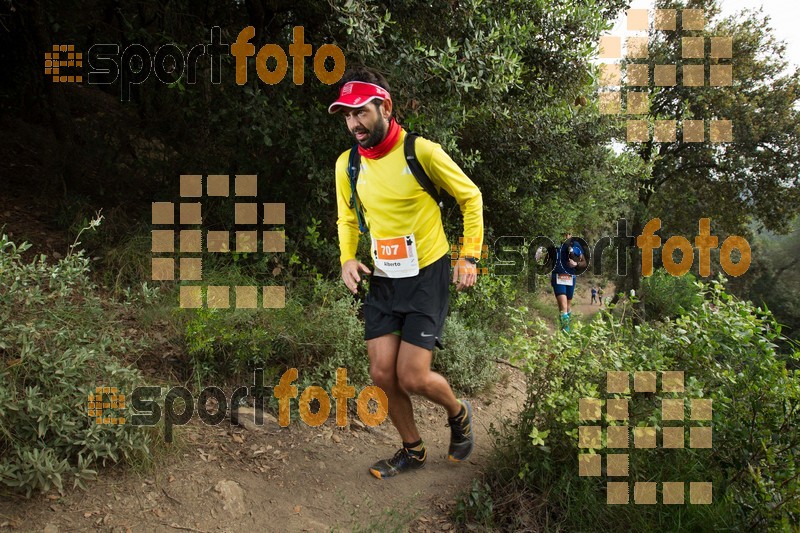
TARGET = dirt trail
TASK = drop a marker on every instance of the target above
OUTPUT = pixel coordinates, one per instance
(224, 478)
(582, 308)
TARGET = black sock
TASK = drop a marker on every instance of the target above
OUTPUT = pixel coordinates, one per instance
(416, 448)
(459, 416)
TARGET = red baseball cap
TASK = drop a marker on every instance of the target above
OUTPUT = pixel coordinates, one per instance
(358, 94)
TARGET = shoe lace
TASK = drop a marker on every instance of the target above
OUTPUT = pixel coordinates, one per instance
(400, 456)
(456, 430)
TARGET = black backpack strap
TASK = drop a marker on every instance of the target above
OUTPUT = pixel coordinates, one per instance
(353, 168)
(419, 172)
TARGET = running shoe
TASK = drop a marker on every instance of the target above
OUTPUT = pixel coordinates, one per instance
(565, 320)
(462, 438)
(402, 461)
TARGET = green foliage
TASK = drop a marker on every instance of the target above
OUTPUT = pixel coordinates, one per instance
(752, 178)
(479, 85)
(476, 506)
(484, 305)
(727, 349)
(317, 331)
(748, 176)
(667, 296)
(774, 279)
(467, 359)
(58, 341)
(473, 335)
(129, 261)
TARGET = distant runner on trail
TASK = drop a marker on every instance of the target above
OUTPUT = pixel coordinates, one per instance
(404, 311)
(568, 257)
(594, 295)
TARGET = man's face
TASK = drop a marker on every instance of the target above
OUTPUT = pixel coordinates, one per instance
(368, 124)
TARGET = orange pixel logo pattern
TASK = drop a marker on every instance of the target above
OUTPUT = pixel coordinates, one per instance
(102, 399)
(457, 251)
(617, 437)
(190, 241)
(54, 62)
(638, 75)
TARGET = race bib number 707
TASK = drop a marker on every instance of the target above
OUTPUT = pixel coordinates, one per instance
(395, 257)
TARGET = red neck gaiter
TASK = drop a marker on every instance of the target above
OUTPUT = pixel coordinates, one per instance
(385, 146)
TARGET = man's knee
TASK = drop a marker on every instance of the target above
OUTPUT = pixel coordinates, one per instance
(412, 381)
(382, 376)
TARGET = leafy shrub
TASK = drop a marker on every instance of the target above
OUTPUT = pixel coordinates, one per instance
(128, 262)
(317, 331)
(727, 349)
(476, 506)
(467, 359)
(668, 296)
(474, 332)
(485, 304)
(57, 343)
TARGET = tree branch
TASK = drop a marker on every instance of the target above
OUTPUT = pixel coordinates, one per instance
(509, 363)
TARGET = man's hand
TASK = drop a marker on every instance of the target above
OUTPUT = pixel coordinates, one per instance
(581, 262)
(350, 270)
(465, 274)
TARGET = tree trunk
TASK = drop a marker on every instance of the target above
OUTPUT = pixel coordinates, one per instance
(635, 272)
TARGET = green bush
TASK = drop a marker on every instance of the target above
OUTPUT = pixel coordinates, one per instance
(668, 296)
(474, 332)
(727, 349)
(484, 305)
(316, 332)
(467, 359)
(127, 262)
(58, 342)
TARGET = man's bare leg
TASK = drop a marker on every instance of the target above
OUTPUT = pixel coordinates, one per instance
(383, 356)
(415, 376)
(400, 368)
(563, 303)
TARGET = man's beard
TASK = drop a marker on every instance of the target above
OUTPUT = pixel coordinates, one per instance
(376, 135)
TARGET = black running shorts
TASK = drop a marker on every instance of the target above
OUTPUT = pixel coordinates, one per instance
(416, 306)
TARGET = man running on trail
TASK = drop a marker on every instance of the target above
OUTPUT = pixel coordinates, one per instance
(568, 257)
(407, 302)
